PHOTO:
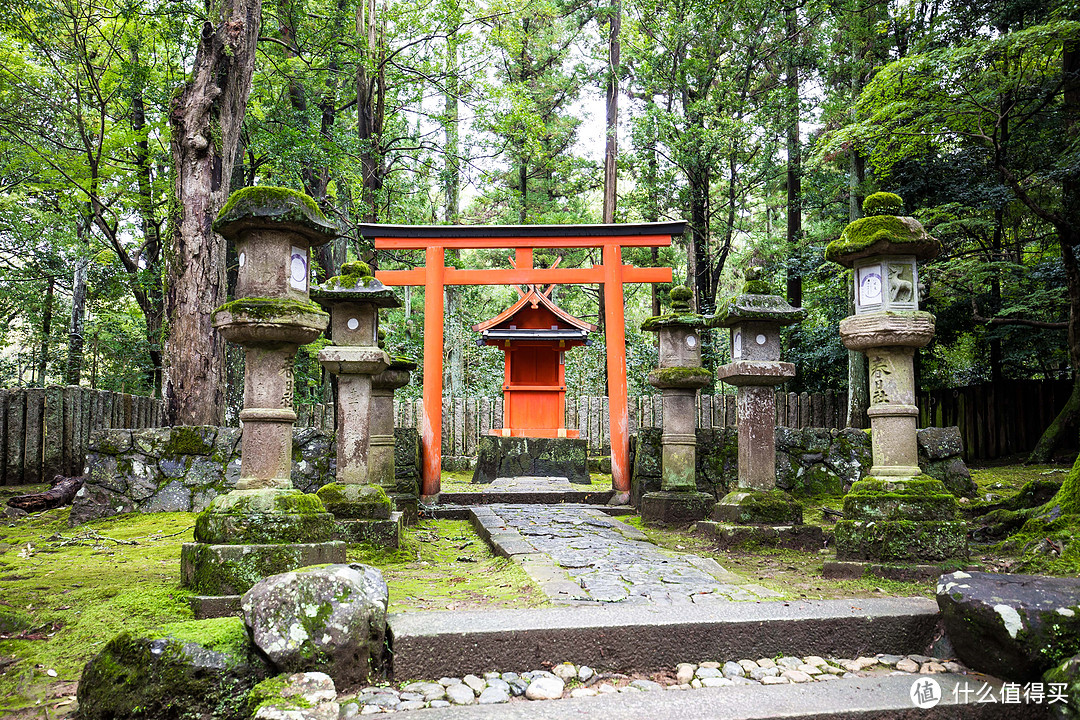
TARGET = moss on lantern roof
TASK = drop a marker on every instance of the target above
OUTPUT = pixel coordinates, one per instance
(882, 235)
(758, 307)
(402, 362)
(882, 203)
(355, 284)
(680, 377)
(260, 206)
(680, 312)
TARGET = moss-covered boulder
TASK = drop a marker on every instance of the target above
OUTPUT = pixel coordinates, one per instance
(1012, 626)
(299, 696)
(1067, 674)
(170, 679)
(329, 619)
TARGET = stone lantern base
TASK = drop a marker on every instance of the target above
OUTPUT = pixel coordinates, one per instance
(246, 535)
(904, 521)
(675, 506)
(364, 513)
(761, 518)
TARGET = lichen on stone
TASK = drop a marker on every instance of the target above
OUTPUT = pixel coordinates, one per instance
(269, 309)
(680, 377)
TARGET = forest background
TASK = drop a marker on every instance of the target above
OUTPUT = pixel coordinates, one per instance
(762, 124)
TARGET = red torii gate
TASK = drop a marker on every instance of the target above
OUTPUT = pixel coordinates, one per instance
(434, 276)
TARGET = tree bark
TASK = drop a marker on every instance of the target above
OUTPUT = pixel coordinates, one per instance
(794, 163)
(76, 329)
(611, 145)
(206, 118)
(46, 330)
(61, 493)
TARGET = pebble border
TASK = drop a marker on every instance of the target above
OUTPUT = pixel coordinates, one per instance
(568, 680)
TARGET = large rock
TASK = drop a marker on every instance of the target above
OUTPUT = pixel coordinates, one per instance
(330, 619)
(1012, 626)
(1067, 674)
(166, 679)
(531, 457)
(300, 696)
(941, 456)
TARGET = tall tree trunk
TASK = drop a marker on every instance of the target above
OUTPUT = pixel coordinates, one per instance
(46, 329)
(206, 118)
(611, 145)
(794, 163)
(452, 151)
(73, 371)
(1064, 427)
(370, 108)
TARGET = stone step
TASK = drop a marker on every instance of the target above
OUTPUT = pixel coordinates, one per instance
(538, 497)
(649, 638)
(461, 511)
(870, 697)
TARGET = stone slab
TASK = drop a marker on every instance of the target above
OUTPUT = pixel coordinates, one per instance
(531, 457)
(648, 638)
(540, 497)
(215, 606)
(847, 699)
(675, 508)
(909, 573)
(795, 537)
(380, 533)
(233, 569)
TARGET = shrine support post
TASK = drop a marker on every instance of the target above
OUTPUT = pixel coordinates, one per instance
(431, 439)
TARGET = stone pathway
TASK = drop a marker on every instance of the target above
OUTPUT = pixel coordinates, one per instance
(578, 554)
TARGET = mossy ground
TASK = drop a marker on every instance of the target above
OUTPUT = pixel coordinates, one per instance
(74, 589)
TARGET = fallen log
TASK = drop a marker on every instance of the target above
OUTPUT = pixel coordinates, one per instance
(61, 493)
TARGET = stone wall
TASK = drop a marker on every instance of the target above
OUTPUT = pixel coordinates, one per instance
(809, 461)
(184, 468)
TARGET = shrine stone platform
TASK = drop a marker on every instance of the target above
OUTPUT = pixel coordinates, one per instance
(510, 457)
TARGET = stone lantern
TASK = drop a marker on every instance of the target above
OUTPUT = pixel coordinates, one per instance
(265, 526)
(755, 318)
(896, 513)
(679, 377)
(354, 299)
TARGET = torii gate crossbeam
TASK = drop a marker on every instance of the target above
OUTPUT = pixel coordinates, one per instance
(434, 276)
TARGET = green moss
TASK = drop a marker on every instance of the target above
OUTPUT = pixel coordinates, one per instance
(226, 635)
(273, 203)
(900, 540)
(686, 319)
(757, 287)
(680, 377)
(189, 440)
(883, 203)
(270, 308)
(771, 507)
(881, 231)
(268, 693)
(750, 307)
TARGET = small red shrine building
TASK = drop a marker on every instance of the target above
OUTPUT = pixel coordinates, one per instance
(534, 333)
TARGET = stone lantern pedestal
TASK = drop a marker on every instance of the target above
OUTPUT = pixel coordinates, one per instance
(264, 526)
(679, 377)
(770, 515)
(895, 514)
(361, 506)
(404, 493)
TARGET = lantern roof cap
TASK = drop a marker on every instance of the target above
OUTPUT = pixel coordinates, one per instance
(757, 307)
(882, 234)
(355, 284)
(263, 207)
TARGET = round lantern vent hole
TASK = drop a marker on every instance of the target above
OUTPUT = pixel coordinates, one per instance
(761, 339)
(691, 341)
(243, 259)
(353, 323)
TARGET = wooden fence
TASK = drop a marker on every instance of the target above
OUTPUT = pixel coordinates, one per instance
(44, 431)
(999, 419)
(466, 419)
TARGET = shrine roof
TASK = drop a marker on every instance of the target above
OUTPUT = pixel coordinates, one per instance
(533, 299)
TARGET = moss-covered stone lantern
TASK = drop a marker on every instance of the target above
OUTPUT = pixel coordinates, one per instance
(354, 299)
(264, 526)
(755, 318)
(896, 513)
(679, 377)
